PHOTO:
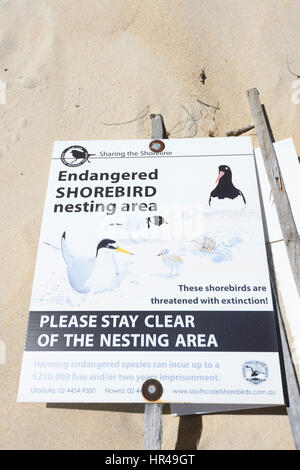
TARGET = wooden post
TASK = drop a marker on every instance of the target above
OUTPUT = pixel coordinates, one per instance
(153, 426)
(293, 409)
(153, 411)
(285, 216)
(292, 243)
(157, 127)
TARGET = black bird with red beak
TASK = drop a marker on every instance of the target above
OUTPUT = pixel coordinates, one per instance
(225, 188)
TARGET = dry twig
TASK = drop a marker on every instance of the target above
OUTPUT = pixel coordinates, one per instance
(142, 115)
(291, 72)
(242, 130)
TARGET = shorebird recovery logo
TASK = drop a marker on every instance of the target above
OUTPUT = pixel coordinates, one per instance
(255, 371)
(75, 156)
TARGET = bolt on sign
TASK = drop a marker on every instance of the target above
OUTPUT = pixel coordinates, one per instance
(151, 279)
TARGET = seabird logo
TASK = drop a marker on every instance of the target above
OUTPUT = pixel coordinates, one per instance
(255, 371)
(75, 156)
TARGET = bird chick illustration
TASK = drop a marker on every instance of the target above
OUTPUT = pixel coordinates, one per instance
(172, 261)
(97, 274)
(225, 189)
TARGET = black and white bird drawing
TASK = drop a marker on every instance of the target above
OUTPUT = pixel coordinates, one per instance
(225, 189)
(97, 274)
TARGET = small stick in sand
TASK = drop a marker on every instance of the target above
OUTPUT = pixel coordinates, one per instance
(242, 130)
(203, 76)
(208, 105)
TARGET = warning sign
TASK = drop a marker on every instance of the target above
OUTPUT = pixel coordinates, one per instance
(152, 266)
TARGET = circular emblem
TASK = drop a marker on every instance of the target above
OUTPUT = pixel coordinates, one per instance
(75, 156)
(255, 371)
(152, 390)
(156, 146)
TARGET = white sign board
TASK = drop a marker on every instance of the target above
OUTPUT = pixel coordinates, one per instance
(152, 266)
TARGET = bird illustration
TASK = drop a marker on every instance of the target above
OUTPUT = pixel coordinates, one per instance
(157, 220)
(225, 188)
(97, 274)
(172, 261)
(255, 372)
(137, 228)
(78, 154)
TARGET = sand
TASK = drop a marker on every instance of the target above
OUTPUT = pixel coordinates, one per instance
(96, 70)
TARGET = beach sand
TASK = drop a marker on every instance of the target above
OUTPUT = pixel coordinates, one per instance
(96, 70)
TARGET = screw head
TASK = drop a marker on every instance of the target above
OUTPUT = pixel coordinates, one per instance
(156, 146)
(152, 390)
